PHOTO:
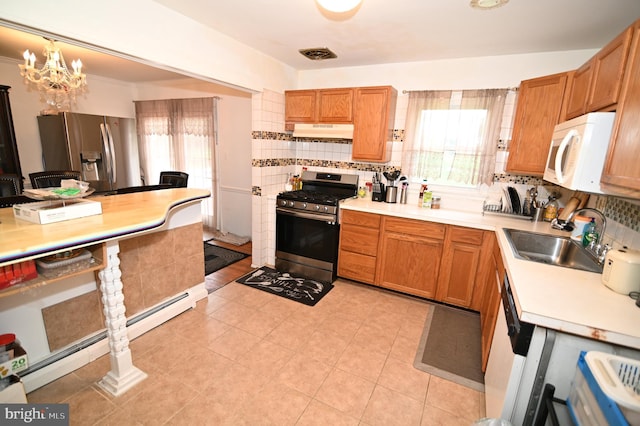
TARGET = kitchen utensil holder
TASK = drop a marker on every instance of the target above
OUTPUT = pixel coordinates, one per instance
(391, 195)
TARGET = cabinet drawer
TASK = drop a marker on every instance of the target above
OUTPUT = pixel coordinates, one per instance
(414, 227)
(466, 235)
(357, 266)
(359, 218)
(359, 239)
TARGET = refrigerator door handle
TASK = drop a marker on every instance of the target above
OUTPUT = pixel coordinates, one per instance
(112, 153)
(107, 149)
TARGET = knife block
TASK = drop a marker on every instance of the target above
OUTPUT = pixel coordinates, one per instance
(378, 193)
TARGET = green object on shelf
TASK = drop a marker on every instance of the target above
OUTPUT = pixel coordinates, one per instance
(66, 191)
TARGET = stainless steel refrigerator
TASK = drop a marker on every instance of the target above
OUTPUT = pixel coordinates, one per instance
(104, 149)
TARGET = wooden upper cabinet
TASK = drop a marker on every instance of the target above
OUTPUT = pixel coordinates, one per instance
(621, 165)
(609, 66)
(300, 106)
(318, 106)
(578, 92)
(335, 106)
(596, 85)
(373, 119)
(541, 105)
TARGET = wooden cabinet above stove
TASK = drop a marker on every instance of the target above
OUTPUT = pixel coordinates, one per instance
(371, 110)
(318, 106)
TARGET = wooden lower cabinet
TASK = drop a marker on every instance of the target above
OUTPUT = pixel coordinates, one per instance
(359, 235)
(491, 300)
(461, 265)
(409, 256)
(441, 262)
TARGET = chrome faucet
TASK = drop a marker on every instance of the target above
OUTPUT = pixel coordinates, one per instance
(595, 247)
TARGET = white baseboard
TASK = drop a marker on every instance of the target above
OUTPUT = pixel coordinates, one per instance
(73, 361)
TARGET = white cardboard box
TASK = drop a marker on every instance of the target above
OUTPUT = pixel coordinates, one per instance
(44, 212)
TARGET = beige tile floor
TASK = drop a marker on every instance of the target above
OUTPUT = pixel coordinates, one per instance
(246, 357)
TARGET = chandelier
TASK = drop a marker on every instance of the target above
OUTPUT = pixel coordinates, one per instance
(57, 85)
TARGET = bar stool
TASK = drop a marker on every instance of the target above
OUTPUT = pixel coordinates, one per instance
(175, 179)
(51, 179)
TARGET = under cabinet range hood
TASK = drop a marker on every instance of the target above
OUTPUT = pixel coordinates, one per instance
(322, 130)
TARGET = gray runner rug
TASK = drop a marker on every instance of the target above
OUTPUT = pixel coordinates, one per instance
(451, 346)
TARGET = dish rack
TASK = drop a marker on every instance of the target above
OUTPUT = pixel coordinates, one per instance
(605, 390)
(499, 210)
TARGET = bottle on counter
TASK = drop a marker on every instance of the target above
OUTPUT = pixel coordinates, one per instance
(435, 202)
(288, 186)
(423, 188)
(589, 235)
(550, 209)
(427, 198)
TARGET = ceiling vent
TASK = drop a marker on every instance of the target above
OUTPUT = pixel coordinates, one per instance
(318, 53)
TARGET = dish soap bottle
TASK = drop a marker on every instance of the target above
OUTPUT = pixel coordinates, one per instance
(589, 235)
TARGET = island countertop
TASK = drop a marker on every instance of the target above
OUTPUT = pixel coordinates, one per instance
(121, 215)
(553, 297)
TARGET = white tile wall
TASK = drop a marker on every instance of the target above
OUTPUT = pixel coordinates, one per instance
(268, 116)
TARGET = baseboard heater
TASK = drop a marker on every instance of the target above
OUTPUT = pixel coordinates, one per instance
(91, 348)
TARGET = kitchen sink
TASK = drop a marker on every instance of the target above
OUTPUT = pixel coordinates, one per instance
(551, 250)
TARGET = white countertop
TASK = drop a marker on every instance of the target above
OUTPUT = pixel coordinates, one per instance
(549, 296)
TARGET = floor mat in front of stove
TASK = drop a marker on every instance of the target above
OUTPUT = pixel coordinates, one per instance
(283, 284)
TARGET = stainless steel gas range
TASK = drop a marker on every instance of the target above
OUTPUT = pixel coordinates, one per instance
(307, 229)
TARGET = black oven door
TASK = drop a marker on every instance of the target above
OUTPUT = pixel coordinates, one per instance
(306, 239)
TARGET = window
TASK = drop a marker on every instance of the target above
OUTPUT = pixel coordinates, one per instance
(451, 137)
(179, 134)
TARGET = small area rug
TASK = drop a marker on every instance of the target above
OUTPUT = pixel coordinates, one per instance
(282, 284)
(216, 257)
(228, 237)
(451, 346)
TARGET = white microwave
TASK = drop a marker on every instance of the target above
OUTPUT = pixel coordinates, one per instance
(578, 150)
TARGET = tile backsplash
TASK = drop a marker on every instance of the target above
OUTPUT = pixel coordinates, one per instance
(276, 153)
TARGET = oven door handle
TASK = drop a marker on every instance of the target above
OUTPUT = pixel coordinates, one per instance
(330, 219)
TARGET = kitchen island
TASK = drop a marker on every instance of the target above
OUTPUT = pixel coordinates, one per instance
(126, 240)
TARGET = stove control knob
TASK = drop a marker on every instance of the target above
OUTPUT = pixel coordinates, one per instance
(283, 202)
(291, 203)
(304, 205)
(326, 208)
(317, 207)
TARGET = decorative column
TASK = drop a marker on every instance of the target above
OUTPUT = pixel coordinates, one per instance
(123, 374)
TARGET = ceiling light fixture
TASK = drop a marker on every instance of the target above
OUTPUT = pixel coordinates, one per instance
(57, 85)
(487, 4)
(339, 6)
